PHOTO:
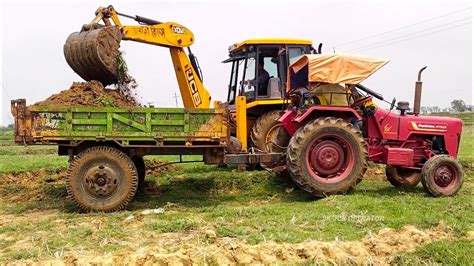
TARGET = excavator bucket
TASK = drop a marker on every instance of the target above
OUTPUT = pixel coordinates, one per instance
(93, 54)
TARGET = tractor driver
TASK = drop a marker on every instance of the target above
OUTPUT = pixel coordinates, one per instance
(261, 82)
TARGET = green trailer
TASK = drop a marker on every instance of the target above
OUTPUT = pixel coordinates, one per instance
(138, 127)
(106, 145)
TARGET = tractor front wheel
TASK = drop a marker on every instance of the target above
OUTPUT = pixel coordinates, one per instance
(442, 176)
(327, 156)
(101, 179)
(402, 177)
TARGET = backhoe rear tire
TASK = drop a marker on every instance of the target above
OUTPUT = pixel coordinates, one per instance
(101, 178)
(327, 156)
(263, 132)
(262, 129)
(402, 177)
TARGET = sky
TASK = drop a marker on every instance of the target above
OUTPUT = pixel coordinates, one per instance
(412, 34)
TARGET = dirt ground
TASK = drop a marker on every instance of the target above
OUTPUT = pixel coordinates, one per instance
(203, 247)
(153, 168)
(92, 93)
(375, 172)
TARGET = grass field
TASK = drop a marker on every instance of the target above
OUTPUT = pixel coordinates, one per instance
(207, 208)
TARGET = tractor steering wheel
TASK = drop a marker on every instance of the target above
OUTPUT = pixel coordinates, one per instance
(361, 101)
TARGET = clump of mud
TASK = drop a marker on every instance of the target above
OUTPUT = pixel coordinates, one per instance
(93, 93)
(157, 167)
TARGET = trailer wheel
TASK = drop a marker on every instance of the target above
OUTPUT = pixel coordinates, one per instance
(442, 176)
(101, 179)
(141, 171)
(327, 156)
(402, 177)
(263, 132)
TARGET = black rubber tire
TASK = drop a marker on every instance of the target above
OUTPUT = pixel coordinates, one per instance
(141, 171)
(261, 127)
(300, 143)
(259, 134)
(428, 176)
(126, 179)
(402, 177)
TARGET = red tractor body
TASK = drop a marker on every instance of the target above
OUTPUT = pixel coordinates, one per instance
(409, 140)
(331, 131)
(393, 139)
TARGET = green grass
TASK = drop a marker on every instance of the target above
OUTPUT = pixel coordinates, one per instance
(24, 150)
(448, 252)
(466, 153)
(254, 206)
(6, 137)
(26, 163)
(251, 206)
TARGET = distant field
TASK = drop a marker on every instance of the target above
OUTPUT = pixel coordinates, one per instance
(466, 151)
(211, 211)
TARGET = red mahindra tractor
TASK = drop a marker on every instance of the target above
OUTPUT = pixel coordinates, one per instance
(332, 131)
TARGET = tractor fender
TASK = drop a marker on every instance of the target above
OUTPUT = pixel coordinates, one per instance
(295, 118)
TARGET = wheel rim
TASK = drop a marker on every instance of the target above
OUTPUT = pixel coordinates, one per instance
(101, 180)
(270, 136)
(445, 177)
(330, 158)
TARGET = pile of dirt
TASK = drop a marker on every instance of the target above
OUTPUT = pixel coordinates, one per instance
(31, 177)
(373, 249)
(94, 94)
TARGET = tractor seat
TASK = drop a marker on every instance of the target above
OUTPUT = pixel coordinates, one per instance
(274, 88)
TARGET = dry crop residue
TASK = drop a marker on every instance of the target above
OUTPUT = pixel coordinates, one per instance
(92, 94)
(373, 249)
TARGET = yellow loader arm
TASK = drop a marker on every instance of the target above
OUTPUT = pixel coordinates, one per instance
(93, 53)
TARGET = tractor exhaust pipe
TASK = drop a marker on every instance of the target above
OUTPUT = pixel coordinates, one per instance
(418, 86)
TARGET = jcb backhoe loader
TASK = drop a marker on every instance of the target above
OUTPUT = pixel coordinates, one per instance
(257, 81)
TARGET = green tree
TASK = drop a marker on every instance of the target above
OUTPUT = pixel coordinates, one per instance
(458, 105)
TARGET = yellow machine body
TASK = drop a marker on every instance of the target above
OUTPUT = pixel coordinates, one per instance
(101, 63)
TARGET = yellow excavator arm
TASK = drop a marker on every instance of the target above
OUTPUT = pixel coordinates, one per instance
(93, 53)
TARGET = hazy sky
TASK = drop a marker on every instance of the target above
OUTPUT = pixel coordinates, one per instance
(33, 34)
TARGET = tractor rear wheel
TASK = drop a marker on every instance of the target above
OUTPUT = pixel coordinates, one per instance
(442, 176)
(101, 179)
(327, 156)
(402, 177)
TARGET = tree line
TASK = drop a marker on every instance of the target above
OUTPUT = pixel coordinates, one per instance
(456, 106)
